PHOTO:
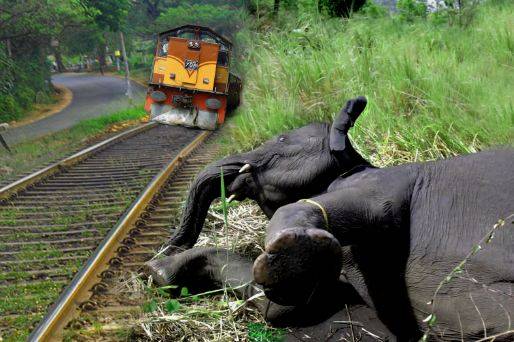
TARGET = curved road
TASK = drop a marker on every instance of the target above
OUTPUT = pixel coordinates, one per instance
(93, 96)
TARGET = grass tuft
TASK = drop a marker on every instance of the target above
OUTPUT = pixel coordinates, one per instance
(434, 90)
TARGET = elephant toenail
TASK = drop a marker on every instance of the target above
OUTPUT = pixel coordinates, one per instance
(260, 269)
(156, 271)
(284, 239)
(319, 235)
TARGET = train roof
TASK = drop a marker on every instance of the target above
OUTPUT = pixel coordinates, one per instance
(193, 28)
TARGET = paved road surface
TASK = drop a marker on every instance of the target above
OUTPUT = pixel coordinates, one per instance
(93, 96)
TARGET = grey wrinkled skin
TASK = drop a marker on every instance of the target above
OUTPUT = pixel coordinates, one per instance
(297, 164)
(402, 230)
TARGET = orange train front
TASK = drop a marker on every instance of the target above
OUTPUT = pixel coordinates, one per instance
(191, 83)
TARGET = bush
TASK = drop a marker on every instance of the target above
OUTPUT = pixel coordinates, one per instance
(374, 10)
(409, 10)
(461, 12)
(24, 80)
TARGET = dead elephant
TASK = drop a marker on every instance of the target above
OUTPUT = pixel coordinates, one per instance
(298, 164)
(382, 240)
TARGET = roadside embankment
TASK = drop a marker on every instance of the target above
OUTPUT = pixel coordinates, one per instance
(62, 98)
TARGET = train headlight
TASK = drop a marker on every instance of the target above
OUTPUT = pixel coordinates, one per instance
(206, 80)
(212, 103)
(158, 96)
(192, 44)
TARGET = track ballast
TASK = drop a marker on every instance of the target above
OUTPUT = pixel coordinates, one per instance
(49, 230)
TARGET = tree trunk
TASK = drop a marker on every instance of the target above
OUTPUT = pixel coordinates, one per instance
(9, 48)
(276, 6)
(127, 71)
(101, 55)
(152, 8)
(58, 59)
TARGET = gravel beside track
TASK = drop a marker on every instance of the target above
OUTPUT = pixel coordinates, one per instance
(49, 230)
(107, 313)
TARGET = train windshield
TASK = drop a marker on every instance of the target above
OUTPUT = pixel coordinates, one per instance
(186, 34)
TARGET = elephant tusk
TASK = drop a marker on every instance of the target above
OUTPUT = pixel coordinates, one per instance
(231, 198)
(245, 168)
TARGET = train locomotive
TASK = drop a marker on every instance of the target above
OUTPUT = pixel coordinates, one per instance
(191, 83)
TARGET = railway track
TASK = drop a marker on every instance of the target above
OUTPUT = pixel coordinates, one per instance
(55, 221)
(111, 304)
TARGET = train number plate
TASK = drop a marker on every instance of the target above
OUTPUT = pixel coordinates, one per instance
(190, 64)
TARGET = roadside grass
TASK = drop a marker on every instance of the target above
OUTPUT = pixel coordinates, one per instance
(33, 299)
(41, 109)
(37, 153)
(434, 90)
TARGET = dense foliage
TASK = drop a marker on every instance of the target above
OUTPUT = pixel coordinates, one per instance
(435, 89)
(26, 29)
(22, 82)
(337, 8)
(33, 29)
(222, 18)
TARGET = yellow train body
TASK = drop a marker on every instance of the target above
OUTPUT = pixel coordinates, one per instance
(191, 83)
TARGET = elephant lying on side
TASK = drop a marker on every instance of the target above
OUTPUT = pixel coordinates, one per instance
(380, 241)
(298, 164)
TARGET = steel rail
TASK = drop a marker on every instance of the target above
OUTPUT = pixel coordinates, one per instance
(11, 189)
(63, 310)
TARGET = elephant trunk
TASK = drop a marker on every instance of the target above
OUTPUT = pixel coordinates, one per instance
(205, 188)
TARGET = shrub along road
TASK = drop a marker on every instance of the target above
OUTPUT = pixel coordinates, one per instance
(93, 96)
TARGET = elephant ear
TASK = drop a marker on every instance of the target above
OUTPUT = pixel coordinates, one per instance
(343, 123)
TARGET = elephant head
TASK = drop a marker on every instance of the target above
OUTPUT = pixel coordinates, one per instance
(295, 165)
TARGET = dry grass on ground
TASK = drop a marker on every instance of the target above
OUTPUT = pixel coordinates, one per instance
(215, 316)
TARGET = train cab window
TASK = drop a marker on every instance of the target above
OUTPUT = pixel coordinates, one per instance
(223, 58)
(163, 48)
(207, 38)
(186, 35)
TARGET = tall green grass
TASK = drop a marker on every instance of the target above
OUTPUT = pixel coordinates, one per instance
(433, 90)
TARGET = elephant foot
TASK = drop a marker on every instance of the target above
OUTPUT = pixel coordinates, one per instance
(157, 270)
(298, 263)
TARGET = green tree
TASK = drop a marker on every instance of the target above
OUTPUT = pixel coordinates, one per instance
(108, 14)
(26, 30)
(222, 18)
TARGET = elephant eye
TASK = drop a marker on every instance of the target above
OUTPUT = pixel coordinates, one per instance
(282, 138)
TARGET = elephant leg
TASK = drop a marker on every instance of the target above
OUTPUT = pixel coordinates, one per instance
(300, 258)
(201, 269)
(298, 262)
(204, 269)
(303, 246)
